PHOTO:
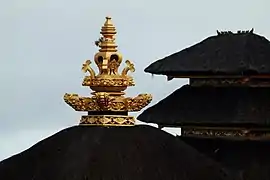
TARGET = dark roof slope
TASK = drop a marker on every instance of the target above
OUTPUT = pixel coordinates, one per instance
(225, 54)
(249, 159)
(115, 153)
(211, 105)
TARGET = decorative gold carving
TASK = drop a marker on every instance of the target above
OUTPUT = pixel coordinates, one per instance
(108, 61)
(223, 82)
(129, 67)
(89, 81)
(86, 68)
(108, 85)
(139, 102)
(226, 132)
(108, 120)
(105, 102)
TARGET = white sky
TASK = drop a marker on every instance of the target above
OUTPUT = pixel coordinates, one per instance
(43, 44)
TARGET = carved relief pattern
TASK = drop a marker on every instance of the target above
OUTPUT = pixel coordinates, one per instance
(81, 103)
(113, 67)
(108, 120)
(230, 82)
(139, 102)
(226, 132)
(89, 81)
(113, 103)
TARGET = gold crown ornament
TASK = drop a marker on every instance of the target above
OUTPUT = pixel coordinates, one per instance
(108, 106)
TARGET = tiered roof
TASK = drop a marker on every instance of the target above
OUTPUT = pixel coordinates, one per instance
(229, 87)
(224, 111)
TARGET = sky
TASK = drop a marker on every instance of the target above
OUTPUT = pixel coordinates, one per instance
(44, 43)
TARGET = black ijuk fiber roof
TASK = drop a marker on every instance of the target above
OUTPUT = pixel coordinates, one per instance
(245, 158)
(225, 54)
(115, 153)
(211, 106)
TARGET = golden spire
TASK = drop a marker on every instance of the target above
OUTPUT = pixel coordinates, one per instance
(108, 106)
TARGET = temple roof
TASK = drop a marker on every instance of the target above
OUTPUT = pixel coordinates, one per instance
(111, 153)
(211, 106)
(237, 54)
(247, 159)
(107, 145)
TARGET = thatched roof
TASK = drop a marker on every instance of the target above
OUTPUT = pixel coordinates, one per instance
(244, 106)
(225, 54)
(249, 159)
(115, 153)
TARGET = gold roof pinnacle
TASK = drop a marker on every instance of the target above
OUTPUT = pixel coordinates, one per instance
(108, 105)
(107, 41)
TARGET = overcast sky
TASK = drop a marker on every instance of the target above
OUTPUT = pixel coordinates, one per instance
(44, 42)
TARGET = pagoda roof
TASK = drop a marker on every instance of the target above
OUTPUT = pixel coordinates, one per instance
(84, 152)
(247, 158)
(206, 105)
(234, 54)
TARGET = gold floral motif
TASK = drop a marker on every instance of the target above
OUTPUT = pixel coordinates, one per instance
(129, 67)
(89, 81)
(86, 68)
(113, 67)
(81, 103)
(103, 102)
(108, 120)
(138, 103)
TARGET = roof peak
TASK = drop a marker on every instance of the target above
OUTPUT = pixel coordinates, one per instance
(238, 32)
